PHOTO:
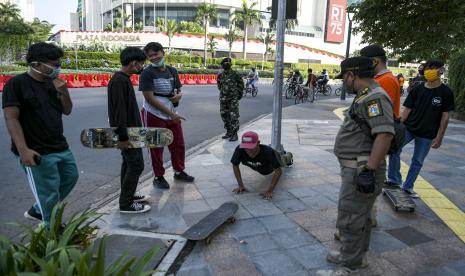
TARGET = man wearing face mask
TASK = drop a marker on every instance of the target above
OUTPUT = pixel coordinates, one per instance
(33, 105)
(161, 88)
(419, 79)
(362, 161)
(231, 87)
(123, 112)
(426, 116)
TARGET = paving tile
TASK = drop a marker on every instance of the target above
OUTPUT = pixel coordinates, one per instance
(290, 205)
(276, 263)
(277, 222)
(382, 241)
(214, 192)
(258, 243)
(292, 237)
(310, 256)
(247, 227)
(193, 206)
(303, 192)
(263, 209)
(203, 271)
(318, 202)
(216, 202)
(409, 235)
(409, 260)
(315, 218)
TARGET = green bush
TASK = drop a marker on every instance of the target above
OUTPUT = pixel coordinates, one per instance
(65, 250)
(457, 79)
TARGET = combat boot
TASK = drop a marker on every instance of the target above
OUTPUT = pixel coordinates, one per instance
(226, 136)
(233, 137)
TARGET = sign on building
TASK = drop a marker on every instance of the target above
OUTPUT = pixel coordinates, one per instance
(335, 21)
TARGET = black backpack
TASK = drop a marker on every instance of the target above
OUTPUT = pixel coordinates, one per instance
(399, 129)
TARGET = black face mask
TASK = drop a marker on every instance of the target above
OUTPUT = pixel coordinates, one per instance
(349, 87)
(421, 72)
(226, 66)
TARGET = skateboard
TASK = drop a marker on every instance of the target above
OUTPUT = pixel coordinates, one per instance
(139, 137)
(400, 199)
(203, 229)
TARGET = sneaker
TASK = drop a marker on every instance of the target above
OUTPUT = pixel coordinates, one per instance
(335, 258)
(291, 162)
(389, 184)
(339, 271)
(337, 235)
(226, 136)
(233, 137)
(33, 214)
(183, 176)
(140, 198)
(161, 183)
(411, 193)
(134, 208)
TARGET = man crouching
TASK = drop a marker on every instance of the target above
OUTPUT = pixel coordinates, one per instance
(260, 158)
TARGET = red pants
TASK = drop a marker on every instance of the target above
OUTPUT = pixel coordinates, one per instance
(177, 148)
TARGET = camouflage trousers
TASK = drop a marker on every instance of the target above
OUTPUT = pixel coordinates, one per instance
(229, 111)
(354, 218)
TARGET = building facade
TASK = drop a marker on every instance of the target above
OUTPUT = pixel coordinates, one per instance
(26, 7)
(315, 19)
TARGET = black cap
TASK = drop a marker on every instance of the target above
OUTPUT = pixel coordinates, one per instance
(355, 64)
(225, 60)
(371, 51)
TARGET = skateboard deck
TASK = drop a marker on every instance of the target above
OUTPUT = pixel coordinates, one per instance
(203, 229)
(139, 137)
(400, 199)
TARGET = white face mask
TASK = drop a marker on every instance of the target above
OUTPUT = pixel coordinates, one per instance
(56, 71)
(160, 63)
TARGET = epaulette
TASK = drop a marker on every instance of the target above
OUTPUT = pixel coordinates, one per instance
(362, 95)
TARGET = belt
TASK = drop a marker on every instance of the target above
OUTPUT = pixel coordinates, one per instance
(353, 163)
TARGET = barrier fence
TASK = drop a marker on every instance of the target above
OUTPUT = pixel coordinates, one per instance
(101, 80)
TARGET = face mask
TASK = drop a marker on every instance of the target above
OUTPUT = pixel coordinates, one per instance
(56, 71)
(349, 88)
(138, 72)
(160, 63)
(226, 66)
(421, 72)
(431, 74)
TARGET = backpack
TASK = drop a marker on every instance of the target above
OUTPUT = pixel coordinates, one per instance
(399, 129)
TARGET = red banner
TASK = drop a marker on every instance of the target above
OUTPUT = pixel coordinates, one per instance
(335, 21)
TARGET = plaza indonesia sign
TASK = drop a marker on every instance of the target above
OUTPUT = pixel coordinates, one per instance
(335, 21)
(107, 37)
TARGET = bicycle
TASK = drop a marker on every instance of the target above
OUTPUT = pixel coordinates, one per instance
(251, 90)
(301, 94)
(338, 91)
(291, 90)
(327, 89)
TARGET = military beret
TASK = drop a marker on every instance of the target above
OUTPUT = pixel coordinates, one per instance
(355, 64)
(373, 50)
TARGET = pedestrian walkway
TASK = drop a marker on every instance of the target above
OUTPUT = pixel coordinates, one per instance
(291, 234)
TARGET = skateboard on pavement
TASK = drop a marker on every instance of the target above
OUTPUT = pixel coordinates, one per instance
(203, 229)
(139, 137)
(400, 199)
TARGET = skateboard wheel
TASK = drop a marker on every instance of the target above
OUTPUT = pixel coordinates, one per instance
(232, 220)
(208, 240)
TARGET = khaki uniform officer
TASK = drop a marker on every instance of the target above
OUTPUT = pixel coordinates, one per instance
(362, 161)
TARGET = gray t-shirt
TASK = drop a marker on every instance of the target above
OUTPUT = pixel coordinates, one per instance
(162, 84)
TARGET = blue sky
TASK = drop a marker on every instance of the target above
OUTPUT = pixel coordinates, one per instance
(56, 12)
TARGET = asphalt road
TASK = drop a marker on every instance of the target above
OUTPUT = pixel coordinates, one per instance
(99, 169)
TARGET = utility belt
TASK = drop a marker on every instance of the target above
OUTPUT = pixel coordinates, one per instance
(354, 163)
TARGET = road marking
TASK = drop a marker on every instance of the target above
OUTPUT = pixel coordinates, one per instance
(445, 209)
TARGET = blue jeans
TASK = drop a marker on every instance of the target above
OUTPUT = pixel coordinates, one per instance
(421, 150)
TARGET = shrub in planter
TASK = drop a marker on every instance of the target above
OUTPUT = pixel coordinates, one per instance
(457, 79)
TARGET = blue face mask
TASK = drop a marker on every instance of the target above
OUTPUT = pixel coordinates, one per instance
(161, 63)
(55, 73)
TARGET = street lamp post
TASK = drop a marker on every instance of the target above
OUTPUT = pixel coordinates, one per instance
(350, 16)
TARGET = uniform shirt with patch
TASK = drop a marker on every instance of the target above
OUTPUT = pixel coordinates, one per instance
(265, 162)
(375, 108)
(427, 106)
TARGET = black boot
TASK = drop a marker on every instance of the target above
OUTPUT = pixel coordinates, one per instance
(227, 135)
(233, 137)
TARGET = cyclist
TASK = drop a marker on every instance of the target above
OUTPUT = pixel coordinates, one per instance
(323, 80)
(311, 81)
(252, 78)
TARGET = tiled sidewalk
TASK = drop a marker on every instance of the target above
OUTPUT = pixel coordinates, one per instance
(290, 234)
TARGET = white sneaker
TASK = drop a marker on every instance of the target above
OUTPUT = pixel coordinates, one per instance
(339, 271)
(140, 198)
(335, 258)
(135, 208)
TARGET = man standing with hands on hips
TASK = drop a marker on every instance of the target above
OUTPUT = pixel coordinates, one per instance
(33, 104)
(161, 88)
(362, 161)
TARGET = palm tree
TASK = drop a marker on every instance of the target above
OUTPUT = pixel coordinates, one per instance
(230, 37)
(204, 13)
(266, 39)
(248, 16)
(9, 12)
(160, 22)
(212, 45)
(171, 30)
(41, 30)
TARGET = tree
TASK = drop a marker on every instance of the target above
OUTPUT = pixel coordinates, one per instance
(138, 26)
(247, 16)
(230, 37)
(212, 45)
(205, 12)
(267, 39)
(41, 30)
(290, 24)
(171, 30)
(9, 12)
(413, 30)
(160, 22)
(15, 34)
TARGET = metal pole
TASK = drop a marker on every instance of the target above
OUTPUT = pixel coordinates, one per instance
(112, 19)
(143, 15)
(101, 15)
(132, 15)
(123, 23)
(278, 84)
(343, 92)
(154, 17)
(166, 15)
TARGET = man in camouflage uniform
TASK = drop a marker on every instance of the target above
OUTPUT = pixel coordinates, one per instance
(363, 163)
(231, 87)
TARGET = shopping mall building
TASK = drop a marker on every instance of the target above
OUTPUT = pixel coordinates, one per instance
(319, 37)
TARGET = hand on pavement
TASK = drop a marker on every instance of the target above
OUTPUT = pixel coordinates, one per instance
(240, 190)
(267, 195)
